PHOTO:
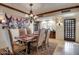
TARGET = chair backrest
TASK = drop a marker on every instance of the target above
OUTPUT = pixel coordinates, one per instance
(47, 35)
(3, 43)
(5, 35)
(14, 33)
(22, 31)
(41, 37)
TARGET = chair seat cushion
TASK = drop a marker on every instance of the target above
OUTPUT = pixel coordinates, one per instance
(19, 47)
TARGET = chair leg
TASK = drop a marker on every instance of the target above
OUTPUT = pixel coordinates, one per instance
(37, 50)
(46, 47)
(26, 52)
(25, 48)
(42, 47)
(48, 43)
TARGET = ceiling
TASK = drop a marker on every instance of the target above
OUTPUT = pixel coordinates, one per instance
(39, 8)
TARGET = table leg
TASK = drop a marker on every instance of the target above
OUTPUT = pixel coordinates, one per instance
(28, 51)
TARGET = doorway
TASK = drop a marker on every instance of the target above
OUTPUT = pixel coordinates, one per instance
(69, 29)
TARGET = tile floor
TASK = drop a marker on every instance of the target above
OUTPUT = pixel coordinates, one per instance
(65, 47)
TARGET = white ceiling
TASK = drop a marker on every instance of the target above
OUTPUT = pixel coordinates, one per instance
(39, 8)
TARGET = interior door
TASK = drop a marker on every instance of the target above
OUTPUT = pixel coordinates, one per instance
(69, 29)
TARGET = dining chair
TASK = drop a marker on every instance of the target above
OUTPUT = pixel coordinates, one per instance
(47, 38)
(22, 31)
(40, 40)
(17, 45)
(6, 37)
(14, 33)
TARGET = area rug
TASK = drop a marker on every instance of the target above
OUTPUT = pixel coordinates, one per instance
(41, 51)
(49, 51)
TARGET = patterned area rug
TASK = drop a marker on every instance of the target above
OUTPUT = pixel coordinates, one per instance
(43, 51)
(5, 51)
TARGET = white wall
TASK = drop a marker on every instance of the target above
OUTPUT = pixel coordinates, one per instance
(77, 28)
(60, 32)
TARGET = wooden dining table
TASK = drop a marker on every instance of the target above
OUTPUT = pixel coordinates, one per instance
(28, 39)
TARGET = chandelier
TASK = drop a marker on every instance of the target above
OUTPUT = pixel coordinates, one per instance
(31, 16)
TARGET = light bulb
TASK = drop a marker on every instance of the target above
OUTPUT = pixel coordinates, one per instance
(3, 21)
(35, 17)
(31, 15)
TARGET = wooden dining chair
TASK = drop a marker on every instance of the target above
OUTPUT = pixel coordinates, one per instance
(40, 40)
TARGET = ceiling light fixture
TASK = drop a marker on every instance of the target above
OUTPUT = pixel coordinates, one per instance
(59, 20)
(31, 16)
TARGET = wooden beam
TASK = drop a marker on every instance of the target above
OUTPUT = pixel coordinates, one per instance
(58, 10)
(12, 8)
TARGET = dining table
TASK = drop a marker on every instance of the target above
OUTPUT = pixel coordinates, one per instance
(28, 39)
